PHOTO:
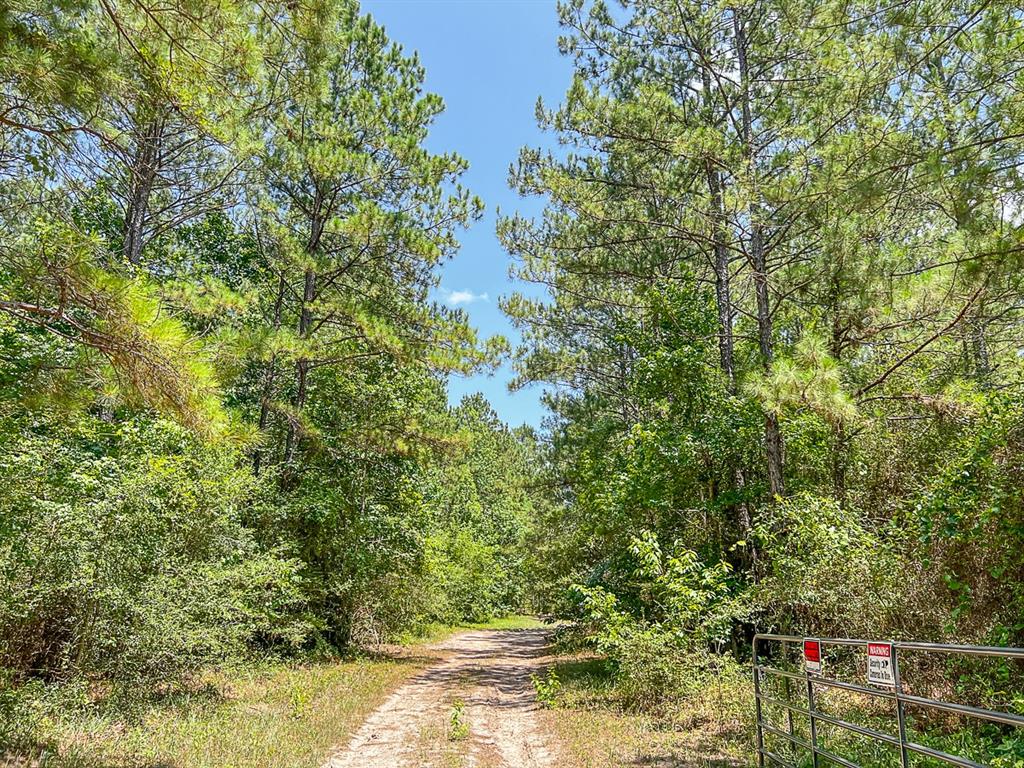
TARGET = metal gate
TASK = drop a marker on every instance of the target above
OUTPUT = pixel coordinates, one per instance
(812, 681)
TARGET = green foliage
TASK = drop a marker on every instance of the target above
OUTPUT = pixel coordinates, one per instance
(671, 609)
(223, 418)
(547, 687)
(465, 578)
(970, 524)
(810, 379)
(652, 671)
(828, 572)
(777, 308)
(125, 556)
(483, 506)
(458, 728)
(781, 334)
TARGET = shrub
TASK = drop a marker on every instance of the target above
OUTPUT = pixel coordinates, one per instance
(464, 579)
(651, 671)
(16, 716)
(123, 557)
(547, 687)
(695, 601)
(827, 572)
(458, 728)
(659, 644)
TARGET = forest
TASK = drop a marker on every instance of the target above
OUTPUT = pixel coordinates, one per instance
(773, 301)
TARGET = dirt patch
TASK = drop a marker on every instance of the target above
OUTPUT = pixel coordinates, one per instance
(486, 676)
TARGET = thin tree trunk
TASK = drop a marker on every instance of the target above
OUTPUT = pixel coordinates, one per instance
(316, 227)
(840, 442)
(724, 306)
(268, 382)
(840, 447)
(301, 366)
(723, 300)
(723, 295)
(758, 264)
(979, 347)
(143, 177)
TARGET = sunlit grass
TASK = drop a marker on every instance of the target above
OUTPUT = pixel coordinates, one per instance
(432, 633)
(275, 715)
(279, 716)
(595, 732)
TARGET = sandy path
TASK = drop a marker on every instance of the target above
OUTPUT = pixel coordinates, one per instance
(489, 671)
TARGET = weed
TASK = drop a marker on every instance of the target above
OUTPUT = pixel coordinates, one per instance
(299, 702)
(458, 727)
(548, 688)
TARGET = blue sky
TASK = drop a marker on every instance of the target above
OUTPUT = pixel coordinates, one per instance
(489, 60)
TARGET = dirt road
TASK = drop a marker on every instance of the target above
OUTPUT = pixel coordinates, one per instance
(475, 708)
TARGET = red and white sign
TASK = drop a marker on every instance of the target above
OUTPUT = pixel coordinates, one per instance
(812, 655)
(880, 667)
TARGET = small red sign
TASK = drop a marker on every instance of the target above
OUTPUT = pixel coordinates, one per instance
(812, 655)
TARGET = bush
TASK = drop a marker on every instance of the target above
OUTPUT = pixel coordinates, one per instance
(547, 687)
(671, 588)
(465, 577)
(16, 716)
(651, 671)
(123, 557)
(659, 643)
(827, 572)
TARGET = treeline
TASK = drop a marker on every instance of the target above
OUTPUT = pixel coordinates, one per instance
(223, 420)
(782, 256)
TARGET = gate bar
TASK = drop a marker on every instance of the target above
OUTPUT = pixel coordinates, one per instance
(921, 749)
(1006, 718)
(775, 758)
(757, 709)
(862, 730)
(818, 715)
(891, 740)
(971, 650)
(823, 752)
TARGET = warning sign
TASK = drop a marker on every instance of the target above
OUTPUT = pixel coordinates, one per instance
(880, 668)
(812, 655)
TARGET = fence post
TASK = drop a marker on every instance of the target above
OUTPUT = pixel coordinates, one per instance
(757, 707)
(814, 722)
(901, 715)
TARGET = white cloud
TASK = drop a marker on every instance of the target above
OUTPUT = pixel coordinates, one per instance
(454, 298)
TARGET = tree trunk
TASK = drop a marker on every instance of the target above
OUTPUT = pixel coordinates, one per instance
(979, 347)
(724, 306)
(301, 366)
(268, 382)
(840, 442)
(316, 229)
(143, 176)
(840, 447)
(723, 296)
(758, 263)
